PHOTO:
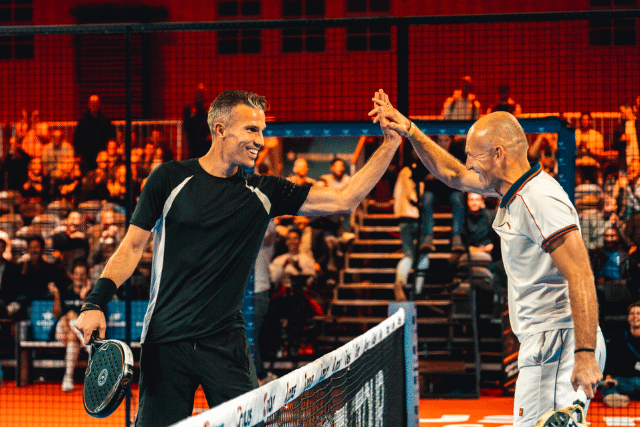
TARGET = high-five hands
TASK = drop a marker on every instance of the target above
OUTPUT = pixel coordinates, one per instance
(388, 117)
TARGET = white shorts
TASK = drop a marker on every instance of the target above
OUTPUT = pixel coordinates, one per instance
(545, 361)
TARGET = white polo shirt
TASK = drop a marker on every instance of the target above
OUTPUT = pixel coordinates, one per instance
(534, 212)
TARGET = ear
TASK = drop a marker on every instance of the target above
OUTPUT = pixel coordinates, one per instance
(218, 129)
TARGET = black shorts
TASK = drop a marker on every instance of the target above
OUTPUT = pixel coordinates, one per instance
(171, 372)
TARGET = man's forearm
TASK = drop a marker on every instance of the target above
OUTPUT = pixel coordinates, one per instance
(436, 159)
(361, 184)
(584, 308)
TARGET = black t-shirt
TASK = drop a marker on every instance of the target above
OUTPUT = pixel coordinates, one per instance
(623, 355)
(207, 233)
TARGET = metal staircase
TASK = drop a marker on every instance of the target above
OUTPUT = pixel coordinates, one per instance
(448, 336)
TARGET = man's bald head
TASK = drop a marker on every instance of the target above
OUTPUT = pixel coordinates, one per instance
(499, 128)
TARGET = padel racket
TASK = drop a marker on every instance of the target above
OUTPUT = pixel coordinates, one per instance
(107, 378)
(571, 416)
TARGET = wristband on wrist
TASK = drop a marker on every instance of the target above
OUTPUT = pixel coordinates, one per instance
(101, 294)
(590, 350)
(412, 128)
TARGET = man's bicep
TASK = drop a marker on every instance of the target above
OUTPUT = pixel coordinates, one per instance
(136, 237)
(322, 201)
(570, 255)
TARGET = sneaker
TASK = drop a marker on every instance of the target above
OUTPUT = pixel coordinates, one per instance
(616, 400)
(456, 244)
(67, 384)
(427, 245)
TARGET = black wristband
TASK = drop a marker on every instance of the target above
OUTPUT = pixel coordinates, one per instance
(578, 350)
(101, 294)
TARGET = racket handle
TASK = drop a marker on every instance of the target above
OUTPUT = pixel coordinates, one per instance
(581, 397)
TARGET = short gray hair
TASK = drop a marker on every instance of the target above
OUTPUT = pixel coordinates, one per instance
(227, 100)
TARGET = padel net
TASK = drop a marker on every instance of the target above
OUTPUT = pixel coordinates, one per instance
(364, 382)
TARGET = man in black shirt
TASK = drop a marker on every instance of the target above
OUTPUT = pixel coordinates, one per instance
(209, 218)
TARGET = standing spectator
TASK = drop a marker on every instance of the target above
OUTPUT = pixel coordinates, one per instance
(506, 103)
(71, 243)
(15, 165)
(405, 208)
(54, 152)
(462, 105)
(300, 171)
(589, 142)
(625, 138)
(66, 309)
(622, 379)
(194, 123)
(91, 134)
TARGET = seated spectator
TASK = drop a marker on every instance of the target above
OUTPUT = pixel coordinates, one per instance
(544, 146)
(482, 248)
(36, 136)
(592, 220)
(106, 227)
(550, 166)
(9, 283)
(627, 192)
(292, 263)
(405, 208)
(293, 302)
(589, 142)
(67, 303)
(625, 138)
(299, 176)
(621, 375)
(107, 247)
(586, 179)
(35, 191)
(94, 183)
(66, 183)
(117, 186)
(36, 274)
(15, 165)
(338, 175)
(53, 153)
(71, 243)
(165, 153)
(615, 270)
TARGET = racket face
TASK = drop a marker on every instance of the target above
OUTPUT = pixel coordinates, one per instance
(107, 377)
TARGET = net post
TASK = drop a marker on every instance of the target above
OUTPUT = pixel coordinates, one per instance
(411, 359)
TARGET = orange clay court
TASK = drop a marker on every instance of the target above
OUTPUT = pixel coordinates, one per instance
(43, 404)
